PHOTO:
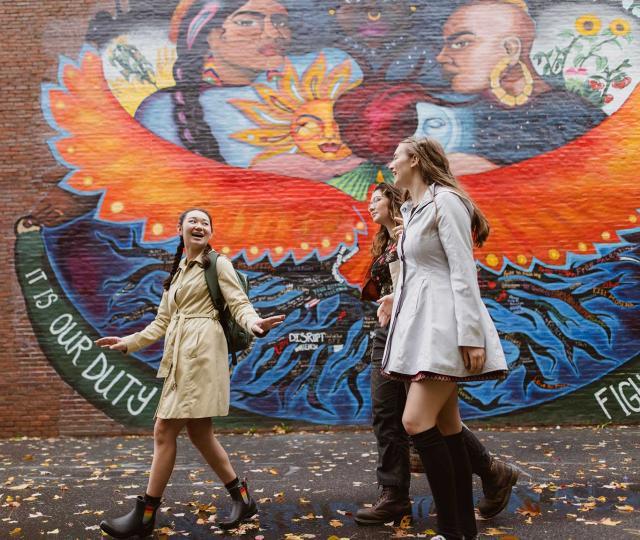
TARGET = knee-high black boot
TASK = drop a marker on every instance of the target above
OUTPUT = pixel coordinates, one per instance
(437, 463)
(464, 484)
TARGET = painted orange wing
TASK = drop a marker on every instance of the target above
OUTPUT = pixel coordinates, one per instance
(566, 200)
(145, 178)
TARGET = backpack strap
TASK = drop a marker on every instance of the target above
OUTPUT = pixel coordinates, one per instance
(211, 277)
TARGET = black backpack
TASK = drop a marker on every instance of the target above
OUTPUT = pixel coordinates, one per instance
(238, 339)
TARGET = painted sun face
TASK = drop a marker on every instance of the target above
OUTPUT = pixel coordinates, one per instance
(297, 116)
(316, 133)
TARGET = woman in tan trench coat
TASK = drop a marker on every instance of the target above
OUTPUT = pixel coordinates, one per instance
(195, 369)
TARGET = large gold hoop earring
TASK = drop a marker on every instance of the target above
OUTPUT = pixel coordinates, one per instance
(501, 94)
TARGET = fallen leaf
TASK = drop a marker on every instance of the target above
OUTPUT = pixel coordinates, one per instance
(335, 523)
(609, 521)
(529, 509)
(625, 508)
(585, 507)
(20, 487)
(15, 532)
(405, 522)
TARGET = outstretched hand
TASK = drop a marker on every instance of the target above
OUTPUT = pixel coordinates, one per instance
(113, 343)
(262, 326)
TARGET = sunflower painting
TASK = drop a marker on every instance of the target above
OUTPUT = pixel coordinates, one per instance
(297, 116)
(592, 57)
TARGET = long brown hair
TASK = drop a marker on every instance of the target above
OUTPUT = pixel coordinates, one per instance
(178, 256)
(395, 197)
(434, 169)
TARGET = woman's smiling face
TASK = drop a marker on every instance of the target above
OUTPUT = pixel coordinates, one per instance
(402, 166)
(195, 229)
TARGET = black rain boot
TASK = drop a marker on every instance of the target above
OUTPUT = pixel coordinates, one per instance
(436, 460)
(139, 522)
(464, 485)
(243, 505)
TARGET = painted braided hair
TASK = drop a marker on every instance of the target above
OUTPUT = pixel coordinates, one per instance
(192, 48)
(178, 256)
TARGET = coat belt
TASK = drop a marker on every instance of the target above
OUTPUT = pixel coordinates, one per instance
(177, 339)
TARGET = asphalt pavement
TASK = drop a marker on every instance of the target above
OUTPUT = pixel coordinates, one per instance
(576, 483)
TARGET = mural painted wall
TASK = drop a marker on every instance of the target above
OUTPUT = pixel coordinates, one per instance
(280, 116)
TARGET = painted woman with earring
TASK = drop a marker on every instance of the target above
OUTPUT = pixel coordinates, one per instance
(519, 114)
(195, 368)
(440, 330)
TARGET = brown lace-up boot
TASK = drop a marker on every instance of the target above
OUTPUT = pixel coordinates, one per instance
(392, 505)
(496, 487)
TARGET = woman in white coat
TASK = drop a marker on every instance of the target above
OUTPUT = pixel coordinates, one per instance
(440, 331)
(195, 368)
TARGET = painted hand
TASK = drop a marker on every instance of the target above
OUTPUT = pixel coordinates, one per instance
(384, 309)
(473, 358)
(262, 326)
(112, 342)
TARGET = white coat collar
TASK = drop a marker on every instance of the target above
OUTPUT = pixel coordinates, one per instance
(408, 206)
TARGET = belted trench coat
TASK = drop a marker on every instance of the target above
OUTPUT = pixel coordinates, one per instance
(437, 305)
(195, 362)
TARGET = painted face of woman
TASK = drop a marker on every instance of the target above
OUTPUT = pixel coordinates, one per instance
(195, 229)
(379, 208)
(402, 166)
(255, 37)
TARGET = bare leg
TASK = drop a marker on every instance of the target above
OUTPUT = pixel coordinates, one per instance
(165, 433)
(449, 421)
(425, 401)
(200, 432)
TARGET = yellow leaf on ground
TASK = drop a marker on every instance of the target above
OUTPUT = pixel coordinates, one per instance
(609, 521)
(625, 508)
(15, 532)
(405, 522)
(529, 509)
(335, 523)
